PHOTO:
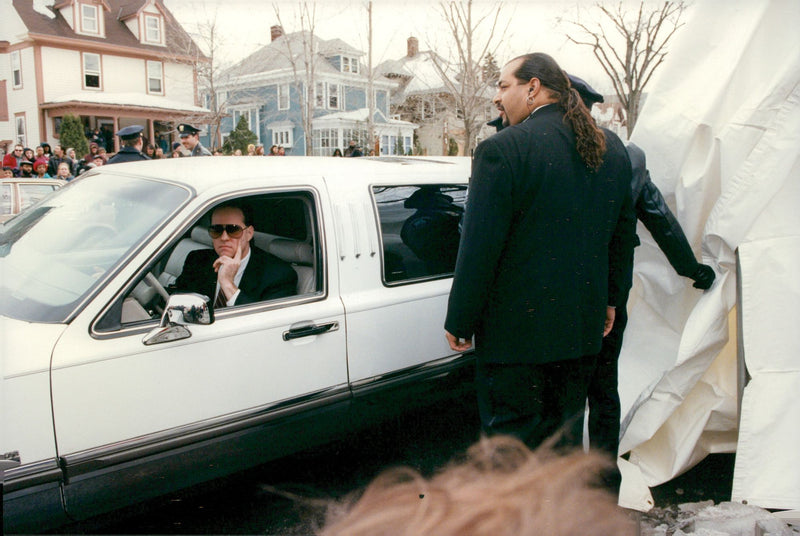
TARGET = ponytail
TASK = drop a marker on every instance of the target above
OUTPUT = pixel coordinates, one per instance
(590, 142)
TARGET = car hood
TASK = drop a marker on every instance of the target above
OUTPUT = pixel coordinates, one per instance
(26, 347)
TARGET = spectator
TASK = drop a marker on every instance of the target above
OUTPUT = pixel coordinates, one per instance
(251, 150)
(75, 161)
(93, 148)
(46, 150)
(350, 148)
(13, 158)
(28, 154)
(337, 152)
(56, 160)
(40, 168)
(159, 153)
(281, 150)
(150, 151)
(501, 488)
(64, 172)
(26, 169)
(39, 152)
(273, 151)
(259, 150)
(237, 152)
(8, 172)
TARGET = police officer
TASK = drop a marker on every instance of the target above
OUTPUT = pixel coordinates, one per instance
(190, 138)
(131, 145)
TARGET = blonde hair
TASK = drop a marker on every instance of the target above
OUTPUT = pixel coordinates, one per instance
(500, 488)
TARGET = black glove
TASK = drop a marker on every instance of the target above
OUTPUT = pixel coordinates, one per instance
(703, 277)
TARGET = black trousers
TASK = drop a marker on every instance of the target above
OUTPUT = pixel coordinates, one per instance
(604, 406)
(534, 402)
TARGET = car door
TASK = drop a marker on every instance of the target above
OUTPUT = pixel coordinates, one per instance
(117, 400)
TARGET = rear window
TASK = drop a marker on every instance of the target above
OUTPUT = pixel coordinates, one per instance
(420, 230)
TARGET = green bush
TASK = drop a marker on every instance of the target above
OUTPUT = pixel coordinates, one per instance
(71, 135)
(240, 138)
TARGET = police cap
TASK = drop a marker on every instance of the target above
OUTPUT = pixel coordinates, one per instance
(130, 133)
(185, 129)
(587, 93)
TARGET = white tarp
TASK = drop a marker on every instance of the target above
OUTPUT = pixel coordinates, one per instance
(721, 129)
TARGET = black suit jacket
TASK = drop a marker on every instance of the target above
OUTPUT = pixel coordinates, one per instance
(266, 276)
(545, 245)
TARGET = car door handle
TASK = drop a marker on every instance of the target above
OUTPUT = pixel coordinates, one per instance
(309, 329)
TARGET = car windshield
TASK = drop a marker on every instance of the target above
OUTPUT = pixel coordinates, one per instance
(57, 251)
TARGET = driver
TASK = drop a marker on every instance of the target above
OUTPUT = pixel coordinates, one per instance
(234, 272)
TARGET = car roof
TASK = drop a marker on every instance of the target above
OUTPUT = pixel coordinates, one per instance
(202, 173)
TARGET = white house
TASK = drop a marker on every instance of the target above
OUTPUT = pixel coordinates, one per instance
(113, 63)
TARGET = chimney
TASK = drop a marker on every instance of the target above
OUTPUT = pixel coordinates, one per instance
(275, 32)
(413, 47)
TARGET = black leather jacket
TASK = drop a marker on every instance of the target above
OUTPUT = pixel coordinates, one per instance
(653, 212)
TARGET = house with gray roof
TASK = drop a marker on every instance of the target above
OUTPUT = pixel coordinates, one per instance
(113, 63)
(270, 88)
(424, 96)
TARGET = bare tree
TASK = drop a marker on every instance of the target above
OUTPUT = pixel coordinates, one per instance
(208, 69)
(645, 34)
(303, 64)
(469, 88)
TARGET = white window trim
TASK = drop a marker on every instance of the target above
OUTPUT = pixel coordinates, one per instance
(160, 78)
(159, 25)
(16, 55)
(82, 19)
(351, 62)
(282, 133)
(338, 87)
(99, 71)
(284, 92)
(20, 138)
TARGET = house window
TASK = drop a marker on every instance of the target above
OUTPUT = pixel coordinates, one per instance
(319, 95)
(283, 137)
(349, 65)
(91, 71)
(283, 96)
(16, 69)
(20, 130)
(155, 77)
(360, 136)
(333, 96)
(325, 140)
(152, 29)
(89, 22)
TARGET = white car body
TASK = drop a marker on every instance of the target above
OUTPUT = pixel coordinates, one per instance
(94, 419)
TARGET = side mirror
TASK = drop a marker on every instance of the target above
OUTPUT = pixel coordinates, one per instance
(181, 310)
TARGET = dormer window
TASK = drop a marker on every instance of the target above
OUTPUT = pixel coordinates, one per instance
(90, 23)
(349, 64)
(152, 29)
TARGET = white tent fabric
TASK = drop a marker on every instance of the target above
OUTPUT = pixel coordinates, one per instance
(721, 130)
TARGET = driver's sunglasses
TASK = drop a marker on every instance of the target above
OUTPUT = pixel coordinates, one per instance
(233, 230)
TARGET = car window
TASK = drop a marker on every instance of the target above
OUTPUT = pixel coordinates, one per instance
(30, 194)
(6, 199)
(420, 230)
(285, 232)
(54, 253)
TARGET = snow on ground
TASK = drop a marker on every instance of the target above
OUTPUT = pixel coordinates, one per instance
(724, 519)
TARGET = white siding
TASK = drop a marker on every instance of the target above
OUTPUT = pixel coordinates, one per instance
(24, 99)
(62, 71)
(179, 82)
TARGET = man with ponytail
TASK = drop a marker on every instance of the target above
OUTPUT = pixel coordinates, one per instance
(543, 259)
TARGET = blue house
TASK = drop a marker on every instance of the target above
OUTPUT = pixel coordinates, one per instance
(269, 88)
